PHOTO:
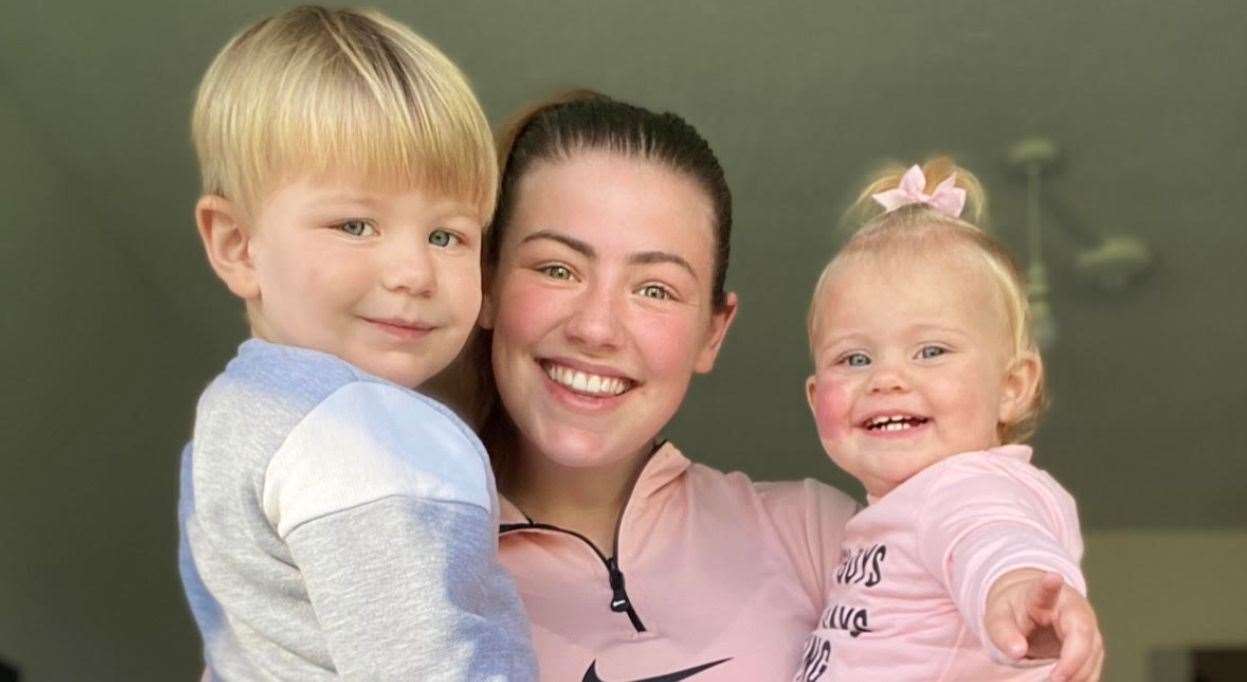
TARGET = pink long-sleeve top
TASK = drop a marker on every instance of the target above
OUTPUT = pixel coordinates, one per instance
(716, 577)
(908, 598)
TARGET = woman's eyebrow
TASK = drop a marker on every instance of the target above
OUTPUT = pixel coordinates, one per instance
(570, 242)
(648, 257)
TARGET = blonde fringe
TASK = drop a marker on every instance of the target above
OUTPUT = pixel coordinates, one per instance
(312, 91)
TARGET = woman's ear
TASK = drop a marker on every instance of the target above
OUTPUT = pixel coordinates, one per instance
(485, 320)
(720, 322)
(1020, 383)
(227, 242)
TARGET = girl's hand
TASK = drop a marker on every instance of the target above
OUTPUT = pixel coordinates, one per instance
(1034, 614)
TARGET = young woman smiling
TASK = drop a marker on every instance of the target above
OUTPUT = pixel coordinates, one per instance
(605, 295)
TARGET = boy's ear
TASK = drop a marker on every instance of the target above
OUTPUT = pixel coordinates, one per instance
(227, 242)
(720, 322)
(1020, 383)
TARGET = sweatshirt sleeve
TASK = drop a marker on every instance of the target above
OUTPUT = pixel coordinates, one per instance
(809, 519)
(986, 516)
(385, 504)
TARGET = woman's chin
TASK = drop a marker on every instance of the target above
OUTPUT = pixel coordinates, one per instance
(574, 448)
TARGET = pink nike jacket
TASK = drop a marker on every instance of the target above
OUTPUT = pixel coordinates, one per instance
(907, 601)
(716, 578)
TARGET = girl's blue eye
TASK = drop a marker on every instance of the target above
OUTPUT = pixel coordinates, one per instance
(356, 228)
(929, 352)
(855, 360)
(557, 271)
(655, 291)
(441, 238)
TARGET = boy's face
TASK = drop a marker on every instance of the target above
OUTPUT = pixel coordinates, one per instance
(911, 358)
(386, 280)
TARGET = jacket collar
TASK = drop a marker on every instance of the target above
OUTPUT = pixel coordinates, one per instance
(665, 465)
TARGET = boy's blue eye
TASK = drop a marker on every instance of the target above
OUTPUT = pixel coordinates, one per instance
(356, 228)
(441, 238)
(929, 352)
(855, 360)
(556, 271)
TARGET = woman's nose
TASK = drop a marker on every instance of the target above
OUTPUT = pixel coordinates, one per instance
(595, 323)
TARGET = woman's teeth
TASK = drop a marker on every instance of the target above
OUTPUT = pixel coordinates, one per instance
(583, 382)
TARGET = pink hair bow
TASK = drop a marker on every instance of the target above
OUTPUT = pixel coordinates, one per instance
(947, 197)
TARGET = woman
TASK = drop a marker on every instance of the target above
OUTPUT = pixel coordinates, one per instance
(605, 295)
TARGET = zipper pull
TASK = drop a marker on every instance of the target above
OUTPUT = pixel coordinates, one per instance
(619, 598)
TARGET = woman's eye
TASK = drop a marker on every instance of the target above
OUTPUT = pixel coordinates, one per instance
(357, 228)
(928, 352)
(556, 271)
(855, 360)
(656, 291)
(442, 238)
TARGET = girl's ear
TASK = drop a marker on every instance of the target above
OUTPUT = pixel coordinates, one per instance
(227, 242)
(720, 322)
(1020, 383)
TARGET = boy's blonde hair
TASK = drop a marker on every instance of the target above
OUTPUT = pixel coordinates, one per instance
(314, 90)
(917, 229)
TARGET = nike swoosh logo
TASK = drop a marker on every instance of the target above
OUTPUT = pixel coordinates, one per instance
(591, 675)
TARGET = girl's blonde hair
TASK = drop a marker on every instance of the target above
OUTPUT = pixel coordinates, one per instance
(312, 91)
(916, 229)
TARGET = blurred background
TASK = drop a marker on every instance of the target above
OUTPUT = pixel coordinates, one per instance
(1111, 136)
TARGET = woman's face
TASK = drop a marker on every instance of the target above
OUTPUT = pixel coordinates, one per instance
(601, 306)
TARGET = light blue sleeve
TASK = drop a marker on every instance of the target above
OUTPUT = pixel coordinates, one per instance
(387, 506)
(408, 589)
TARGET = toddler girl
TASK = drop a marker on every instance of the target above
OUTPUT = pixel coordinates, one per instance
(964, 565)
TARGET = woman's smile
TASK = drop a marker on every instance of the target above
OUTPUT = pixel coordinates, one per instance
(588, 383)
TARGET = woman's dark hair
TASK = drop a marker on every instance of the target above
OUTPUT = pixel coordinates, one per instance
(583, 120)
(557, 129)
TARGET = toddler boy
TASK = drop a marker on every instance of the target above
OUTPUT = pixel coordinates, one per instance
(335, 522)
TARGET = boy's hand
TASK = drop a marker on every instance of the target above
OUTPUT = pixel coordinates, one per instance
(1034, 614)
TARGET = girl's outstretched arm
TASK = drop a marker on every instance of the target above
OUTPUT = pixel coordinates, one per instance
(1034, 614)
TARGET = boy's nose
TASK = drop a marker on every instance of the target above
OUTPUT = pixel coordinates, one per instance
(410, 271)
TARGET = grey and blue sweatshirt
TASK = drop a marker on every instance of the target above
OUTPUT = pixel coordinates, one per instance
(338, 525)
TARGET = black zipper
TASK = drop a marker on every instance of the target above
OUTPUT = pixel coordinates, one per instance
(620, 603)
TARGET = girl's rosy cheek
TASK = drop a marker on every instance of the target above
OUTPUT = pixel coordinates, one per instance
(831, 409)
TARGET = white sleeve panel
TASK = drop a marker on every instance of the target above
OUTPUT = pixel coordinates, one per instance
(368, 441)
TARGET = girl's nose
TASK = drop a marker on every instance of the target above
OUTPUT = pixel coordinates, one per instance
(595, 322)
(886, 379)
